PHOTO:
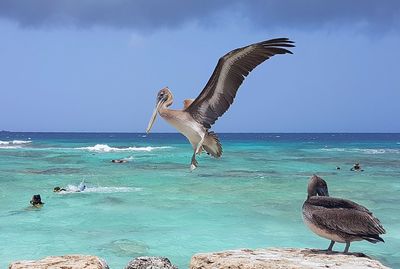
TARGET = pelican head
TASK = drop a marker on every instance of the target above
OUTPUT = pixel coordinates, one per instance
(317, 186)
(164, 97)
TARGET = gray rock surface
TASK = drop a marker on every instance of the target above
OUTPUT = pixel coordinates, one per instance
(62, 262)
(150, 263)
(274, 258)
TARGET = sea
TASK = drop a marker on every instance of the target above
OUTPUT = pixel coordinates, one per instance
(151, 204)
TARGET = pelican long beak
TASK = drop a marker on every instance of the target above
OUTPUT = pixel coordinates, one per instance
(154, 116)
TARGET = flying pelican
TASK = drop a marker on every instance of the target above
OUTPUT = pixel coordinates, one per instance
(197, 116)
(338, 220)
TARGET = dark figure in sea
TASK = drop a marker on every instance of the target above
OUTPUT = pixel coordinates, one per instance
(119, 161)
(338, 220)
(356, 167)
(36, 201)
(58, 189)
(337, 168)
(80, 188)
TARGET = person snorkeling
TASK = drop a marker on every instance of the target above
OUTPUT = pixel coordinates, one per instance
(119, 161)
(70, 188)
(36, 201)
(58, 189)
(356, 167)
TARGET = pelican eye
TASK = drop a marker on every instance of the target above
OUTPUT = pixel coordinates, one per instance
(161, 96)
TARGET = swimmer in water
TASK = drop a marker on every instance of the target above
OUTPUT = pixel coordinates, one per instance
(58, 189)
(70, 188)
(119, 161)
(356, 167)
(36, 201)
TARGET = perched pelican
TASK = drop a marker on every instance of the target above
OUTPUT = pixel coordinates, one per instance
(197, 116)
(338, 219)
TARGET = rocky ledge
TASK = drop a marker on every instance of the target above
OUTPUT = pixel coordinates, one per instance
(65, 262)
(274, 258)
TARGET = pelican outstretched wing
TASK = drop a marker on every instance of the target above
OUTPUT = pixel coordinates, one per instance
(228, 75)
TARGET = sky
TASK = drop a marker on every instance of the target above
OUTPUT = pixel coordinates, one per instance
(97, 65)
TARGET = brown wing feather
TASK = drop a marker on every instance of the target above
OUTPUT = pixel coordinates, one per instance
(345, 216)
(228, 75)
(349, 221)
(332, 202)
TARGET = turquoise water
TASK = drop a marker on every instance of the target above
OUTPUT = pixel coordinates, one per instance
(153, 204)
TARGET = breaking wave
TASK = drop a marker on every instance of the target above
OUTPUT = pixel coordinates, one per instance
(107, 148)
(13, 144)
(77, 189)
(365, 151)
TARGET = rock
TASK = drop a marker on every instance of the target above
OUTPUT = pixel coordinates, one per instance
(62, 262)
(150, 263)
(274, 258)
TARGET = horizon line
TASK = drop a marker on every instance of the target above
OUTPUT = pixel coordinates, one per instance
(111, 132)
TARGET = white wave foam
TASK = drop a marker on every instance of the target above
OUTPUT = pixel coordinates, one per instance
(112, 189)
(15, 142)
(107, 148)
(10, 147)
(380, 151)
(77, 189)
(365, 151)
(334, 149)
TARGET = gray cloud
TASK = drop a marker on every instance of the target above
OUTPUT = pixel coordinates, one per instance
(378, 15)
(368, 14)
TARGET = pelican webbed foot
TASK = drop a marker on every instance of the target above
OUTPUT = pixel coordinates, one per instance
(194, 163)
(356, 254)
(323, 251)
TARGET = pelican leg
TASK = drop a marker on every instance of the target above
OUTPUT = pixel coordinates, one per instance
(330, 246)
(194, 162)
(200, 145)
(197, 150)
(346, 249)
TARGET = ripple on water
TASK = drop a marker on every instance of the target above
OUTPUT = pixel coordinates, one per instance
(24, 153)
(165, 166)
(62, 159)
(126, 248)
(113, 200)
(53, 171)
